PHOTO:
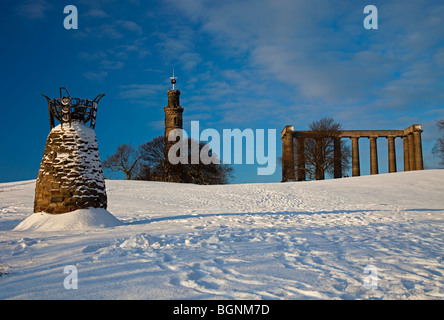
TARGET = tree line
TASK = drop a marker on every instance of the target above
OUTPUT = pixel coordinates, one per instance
(149, 162)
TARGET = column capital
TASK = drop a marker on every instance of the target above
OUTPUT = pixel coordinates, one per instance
(413, 128)
(417, 128)
(287, 130)
(418, 132)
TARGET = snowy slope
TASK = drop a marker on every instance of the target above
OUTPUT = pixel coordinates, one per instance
(299, 240)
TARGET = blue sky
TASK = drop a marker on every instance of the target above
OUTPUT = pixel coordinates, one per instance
(241, 64)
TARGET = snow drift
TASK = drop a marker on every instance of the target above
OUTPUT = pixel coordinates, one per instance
(82, 219)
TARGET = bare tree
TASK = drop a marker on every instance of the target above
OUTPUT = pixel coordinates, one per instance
(438, 148)
(205, 174)
(125, 159)
(148, 162)
(153, 155)
(319, 149)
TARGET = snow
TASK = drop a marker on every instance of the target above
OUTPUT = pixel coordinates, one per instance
(81, 219)
(297, 240)
(83, 131)
(84, 153)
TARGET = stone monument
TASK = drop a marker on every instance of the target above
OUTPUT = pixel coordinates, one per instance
(173, 114)
(70, 175)
(412, 147)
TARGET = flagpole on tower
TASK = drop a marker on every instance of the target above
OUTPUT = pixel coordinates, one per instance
(173, 79)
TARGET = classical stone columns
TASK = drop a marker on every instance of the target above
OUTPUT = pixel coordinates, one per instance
(412, 163)
(412, 148)
(288, 172)
(413, 159)
(356, 168)
(373, 156)
(337, 158)
(301, 158)
(418, 150)
(319, 170)
(391, 154)
(405, 143)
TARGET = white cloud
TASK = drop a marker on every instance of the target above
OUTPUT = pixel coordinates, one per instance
(130, 26)
(312, 57)
(113, 58)
(111, 29)
(95, 75)
(96, 13)
(111, 65)
(320, 50)
(140, 91)
(33, 9)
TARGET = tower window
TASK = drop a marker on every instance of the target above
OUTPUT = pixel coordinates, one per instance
(178, 121)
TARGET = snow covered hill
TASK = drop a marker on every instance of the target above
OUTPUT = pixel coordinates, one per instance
(371, 237)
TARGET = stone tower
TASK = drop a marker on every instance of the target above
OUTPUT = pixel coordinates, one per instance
(173, 114)
(70, 175)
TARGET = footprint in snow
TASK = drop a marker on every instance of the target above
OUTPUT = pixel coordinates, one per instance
(23, 244)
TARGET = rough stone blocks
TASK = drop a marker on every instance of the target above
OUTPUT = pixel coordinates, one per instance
(70, 175)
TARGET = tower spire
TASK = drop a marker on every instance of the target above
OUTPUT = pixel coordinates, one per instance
(173, 79)
(173, 119)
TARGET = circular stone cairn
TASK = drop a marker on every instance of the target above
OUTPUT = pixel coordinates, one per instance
(70, 175)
